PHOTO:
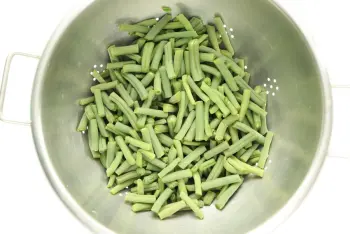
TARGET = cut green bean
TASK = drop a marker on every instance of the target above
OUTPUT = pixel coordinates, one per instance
(192, 156)
(245, 128)
(169, 65)
(133, 28)
(94, 135)
(124, 94)
(98, 77)
(209, 198)
(83, 123)
(185, 22)
(244, 168)
(219, 182)
(230, 81)
(121, 186)
(244, 104)
(186, 126)
(150, 178)
(146, 56)
(151, 112)
(247, 154)
(127, 176)
(124, 108)
(164, 196)
(111, 181)
(169, 168)
(177, 175)
(215, 98)
(195, 68)
(212, 37)
(99, 103)
(86, 101)
(158, 54)
(165, 140)
(111, 152)
(265, 150)
(138, 143)
(216, 150)
(178, 59)
(137, 85)
(102, 145)
(240, 144)
(123, 50)
(211, 70)
(157, 146)
(107, 102)
(187, 62)
(118, 65)
(195, 88)
(138, 207)
(197, 183)
(155, 30)
(194, 207)
(126, 151)
(226, 40)
(135, 198)
(217, 169)
(183, 34)
(167, 92)
(199, 121)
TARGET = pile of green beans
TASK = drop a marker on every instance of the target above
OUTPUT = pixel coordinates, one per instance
(174, 119)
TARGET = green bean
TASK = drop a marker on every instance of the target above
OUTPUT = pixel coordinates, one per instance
(127, 176)
(150, 178)
(230, 168)
(155, 30)
(111, 181)
(220, 26)
(240, 144)
(244, 168)
(140, 187)
(254, 96)
(199, 121)
(218, 114)
(182, 41)
(102, 145)
(214, 123)
(139, 162)
(177, 175)
(138, 207)
(167, 92)
(186, 126)
(118, 77)
(213, 109)
(161, 129)
(123, 168)
(86, 101)
(123, 50)
(194, 207)
(118, 65)
(169, 168)
(212, 37)
(133, 28)
(107, 102)
(195, 68)
(157, 146)
(168, 53)
(216, 82)
(124, 129)
(150, 112)
(211, 70)
(115, 163)
(197, 183)
(244, 104)
(136, 198)
(124, 108)
(137, 85)
(191, 133)
(147, 154)
(137, 58)
(244, 128)
(169, 108)
(257, 121)
(165, 140)
(164, 196)
(83, 123)
(99, 103)
(235, 68)
(94, 135)
(181, 112)
(249, 116)
(219, 182)
(140, 42)
(185, 22)
(252, 106)
(152, 167)
(190, 187)
(265, 150)
(160, 121)
(146, 56)
(147, 79)
(183, 34)
(195, 88)
(187, 88)
(148, 22)
(178, 59)
(187, 62)
(124, 94)
(174, 25)
(209, 198)
(121, 186)
(230, 81)
(192, 156)
(246, 156)
(207, 129)
(215, 98)
(217, 169)
(111, 152)
(171, 209)
(216, 150)
(231, 97)
(206, 57)
(138, 143)
(98, 77)
(109, 116)
(126, 151)
(102, 157)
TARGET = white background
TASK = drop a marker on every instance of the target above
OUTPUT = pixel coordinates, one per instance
(29, 205)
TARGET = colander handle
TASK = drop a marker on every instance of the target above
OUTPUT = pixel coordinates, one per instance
(4, 86)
